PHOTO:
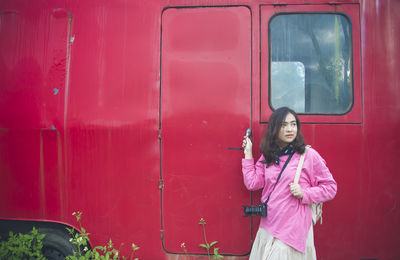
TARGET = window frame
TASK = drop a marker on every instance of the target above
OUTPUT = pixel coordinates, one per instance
(351, 12)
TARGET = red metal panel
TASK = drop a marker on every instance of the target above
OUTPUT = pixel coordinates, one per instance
(34, 51)
(205, 109)
(34, 69)
(104, 157)
(344, 155)
(108, 163)
(380, 214)
(111, 146)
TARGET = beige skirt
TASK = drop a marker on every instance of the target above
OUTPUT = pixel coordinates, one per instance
(267, 247)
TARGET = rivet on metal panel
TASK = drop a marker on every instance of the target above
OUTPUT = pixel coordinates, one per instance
(72, 39)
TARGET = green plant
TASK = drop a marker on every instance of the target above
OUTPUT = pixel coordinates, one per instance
(81, 243)
(106, 252)
(23, 246)
(208, 246)
(134, 249)
(79, 240)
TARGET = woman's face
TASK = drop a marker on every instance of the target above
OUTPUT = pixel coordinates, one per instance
(288, 131)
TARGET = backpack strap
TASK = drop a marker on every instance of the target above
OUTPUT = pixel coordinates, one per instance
(316, 209)
(300, 165)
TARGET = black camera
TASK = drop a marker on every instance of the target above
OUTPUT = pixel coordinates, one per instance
(260, 210)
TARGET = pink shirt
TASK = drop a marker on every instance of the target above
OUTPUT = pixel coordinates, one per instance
(289, 218)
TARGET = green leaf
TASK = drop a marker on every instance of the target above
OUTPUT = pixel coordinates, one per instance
(203, 245)
(34, 231)
(213, 243)
(135, 247)
(216, 255)
(88, 254)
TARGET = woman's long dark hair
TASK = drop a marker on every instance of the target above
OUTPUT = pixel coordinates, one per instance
(270, 143)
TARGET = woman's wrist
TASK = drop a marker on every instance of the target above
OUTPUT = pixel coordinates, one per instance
(248, 155)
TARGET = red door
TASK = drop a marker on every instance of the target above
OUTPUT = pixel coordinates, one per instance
(205, 110)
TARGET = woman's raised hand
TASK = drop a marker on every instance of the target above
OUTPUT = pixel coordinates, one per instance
(247, 148)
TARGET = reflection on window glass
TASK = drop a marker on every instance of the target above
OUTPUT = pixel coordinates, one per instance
(287, 85)
(311, 63)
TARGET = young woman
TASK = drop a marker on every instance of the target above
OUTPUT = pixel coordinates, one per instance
(286, 232)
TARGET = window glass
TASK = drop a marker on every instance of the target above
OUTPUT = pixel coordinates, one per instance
(310, 61)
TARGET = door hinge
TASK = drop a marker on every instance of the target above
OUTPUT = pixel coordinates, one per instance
(161, 184)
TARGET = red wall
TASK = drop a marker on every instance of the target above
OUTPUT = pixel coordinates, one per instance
(79, 128)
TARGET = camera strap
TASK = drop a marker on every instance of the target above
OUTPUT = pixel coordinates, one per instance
(280, 174)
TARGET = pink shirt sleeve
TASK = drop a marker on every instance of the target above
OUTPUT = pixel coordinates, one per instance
(322, 185)
(253, 175)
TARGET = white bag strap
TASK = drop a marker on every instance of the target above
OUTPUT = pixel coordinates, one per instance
(300, 166)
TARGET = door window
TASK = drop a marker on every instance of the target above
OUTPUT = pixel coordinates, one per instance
(311, 66)
(310, 62)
